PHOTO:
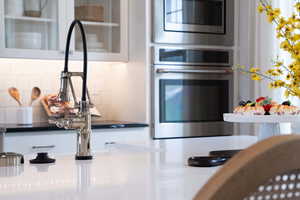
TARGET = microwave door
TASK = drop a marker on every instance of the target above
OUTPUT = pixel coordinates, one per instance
(195, 16)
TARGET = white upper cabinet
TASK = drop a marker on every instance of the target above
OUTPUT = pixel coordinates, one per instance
(38, 29)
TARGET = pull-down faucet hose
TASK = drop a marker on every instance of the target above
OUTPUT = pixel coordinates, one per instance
(66, 69)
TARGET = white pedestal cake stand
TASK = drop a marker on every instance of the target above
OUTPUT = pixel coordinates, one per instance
(269, 124)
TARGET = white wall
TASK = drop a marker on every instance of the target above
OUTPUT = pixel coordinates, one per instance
(129, 82)
(26, 74)
(245, 51)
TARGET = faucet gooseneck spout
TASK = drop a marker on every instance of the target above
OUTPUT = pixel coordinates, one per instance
(65, 76)
(80, 121)
(66, 69)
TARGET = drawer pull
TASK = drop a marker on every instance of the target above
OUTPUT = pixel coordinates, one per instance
(118, 126)
(44, 147)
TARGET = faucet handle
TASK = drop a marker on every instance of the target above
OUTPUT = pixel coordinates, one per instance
(61, 122)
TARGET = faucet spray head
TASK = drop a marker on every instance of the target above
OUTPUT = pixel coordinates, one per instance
(63, 95)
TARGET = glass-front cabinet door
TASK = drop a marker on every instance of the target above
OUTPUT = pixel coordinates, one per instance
(103, 21)
(31, 28)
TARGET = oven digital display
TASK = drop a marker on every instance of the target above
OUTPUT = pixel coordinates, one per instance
(193, 100)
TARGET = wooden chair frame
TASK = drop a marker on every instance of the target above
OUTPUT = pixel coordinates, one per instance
(248, 170)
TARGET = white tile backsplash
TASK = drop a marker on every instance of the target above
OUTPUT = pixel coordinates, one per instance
(26, 74)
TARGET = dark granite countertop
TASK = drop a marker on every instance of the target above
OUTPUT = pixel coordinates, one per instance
(45, 126)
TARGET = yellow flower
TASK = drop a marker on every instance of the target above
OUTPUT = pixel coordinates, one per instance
(279, 35)
(280, 83)
(292, 67)
(254, 69)
(282, 22)
(256, 77)
(271, 85)
(260, 8)
(278, 63)
(271, 18)
(288, 30)
(293, 19)
(295, 37)
(273, 14)
(279, 71)
(268, 7)
(287, 93)
(277, 12)
(269, 71)
(285, 45)
(297, 6)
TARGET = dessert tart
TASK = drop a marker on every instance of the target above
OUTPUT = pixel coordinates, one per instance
(250, 110)
(265, 106)
(284, 110)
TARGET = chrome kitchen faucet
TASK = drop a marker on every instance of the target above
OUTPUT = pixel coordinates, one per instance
(81, 121)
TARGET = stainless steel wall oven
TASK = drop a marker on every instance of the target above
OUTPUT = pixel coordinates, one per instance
(202, 22)
(191, 89)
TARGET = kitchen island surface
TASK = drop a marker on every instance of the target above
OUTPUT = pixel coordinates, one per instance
(158, 171)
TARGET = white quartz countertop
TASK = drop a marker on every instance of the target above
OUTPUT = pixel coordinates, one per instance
(125, 172)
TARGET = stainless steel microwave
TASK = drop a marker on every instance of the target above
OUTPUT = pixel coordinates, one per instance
(193, 22)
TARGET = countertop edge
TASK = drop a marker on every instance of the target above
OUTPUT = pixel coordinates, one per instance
(96, 125)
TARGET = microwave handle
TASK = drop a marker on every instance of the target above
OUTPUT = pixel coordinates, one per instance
(193, 71)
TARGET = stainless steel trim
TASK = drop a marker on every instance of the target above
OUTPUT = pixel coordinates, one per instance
(155, 52)
(194, 28)
(200, 71)
(2, 137)
(161, 35)
(44, 147)
(11, 159)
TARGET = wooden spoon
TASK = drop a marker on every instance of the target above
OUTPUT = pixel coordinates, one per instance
(35, 94)
(15, 94)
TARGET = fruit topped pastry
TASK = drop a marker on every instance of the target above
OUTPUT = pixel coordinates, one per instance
(285, 109)
(249, 108)
(265, 106)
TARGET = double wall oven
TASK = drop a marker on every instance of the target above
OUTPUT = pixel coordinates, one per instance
(202, 22)
(191, 89)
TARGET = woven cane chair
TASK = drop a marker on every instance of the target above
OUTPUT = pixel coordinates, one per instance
(267, 170)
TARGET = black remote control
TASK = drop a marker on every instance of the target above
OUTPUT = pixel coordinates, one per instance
(207, 161)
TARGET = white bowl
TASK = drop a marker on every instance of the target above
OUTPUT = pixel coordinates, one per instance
(28, 40)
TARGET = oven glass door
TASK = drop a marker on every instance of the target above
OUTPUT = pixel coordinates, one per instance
(183, 101)
(190, 102)
(195, 16)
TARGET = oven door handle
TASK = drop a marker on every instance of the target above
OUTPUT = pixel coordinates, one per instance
(194, 71)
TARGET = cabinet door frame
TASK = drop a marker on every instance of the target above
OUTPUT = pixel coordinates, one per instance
(32, 53)
(2, 25)
(123, 56)
(65, 15)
